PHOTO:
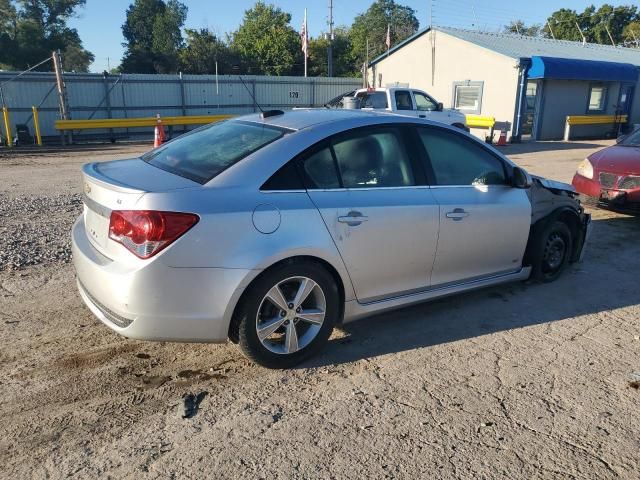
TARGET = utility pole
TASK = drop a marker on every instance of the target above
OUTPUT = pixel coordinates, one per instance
(62, 94)
(609, 33)
(551, 31)
(584, 39)
(430, 14)
(330, 47)
(62, 90)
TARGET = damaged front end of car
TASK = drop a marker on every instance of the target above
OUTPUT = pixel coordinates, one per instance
(552, 200)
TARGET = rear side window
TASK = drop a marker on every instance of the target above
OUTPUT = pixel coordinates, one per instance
(375, 159)
(286, 178)
(207, 151)
(458, 161)
(403, 100)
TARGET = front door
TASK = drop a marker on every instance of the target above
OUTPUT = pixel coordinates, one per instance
(427, 107)
(484, 222)
(382, 218)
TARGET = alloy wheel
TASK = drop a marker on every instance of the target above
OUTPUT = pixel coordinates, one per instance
(290, 315)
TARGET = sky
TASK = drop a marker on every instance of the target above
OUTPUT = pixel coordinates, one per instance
(99, 22)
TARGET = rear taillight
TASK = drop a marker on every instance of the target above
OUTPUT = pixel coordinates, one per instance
(146, 232)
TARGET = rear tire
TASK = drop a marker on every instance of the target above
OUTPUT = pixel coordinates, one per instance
(551, 252)
(288, 314)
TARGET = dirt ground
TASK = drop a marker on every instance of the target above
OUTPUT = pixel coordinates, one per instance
(522, 381)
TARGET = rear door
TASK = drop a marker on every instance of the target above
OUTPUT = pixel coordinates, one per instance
(484, 222)
(370, 190)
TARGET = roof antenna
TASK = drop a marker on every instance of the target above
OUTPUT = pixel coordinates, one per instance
(250, 93)
(263, 114)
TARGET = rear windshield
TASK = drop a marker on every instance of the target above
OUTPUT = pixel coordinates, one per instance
(373, 99)
(205, 152)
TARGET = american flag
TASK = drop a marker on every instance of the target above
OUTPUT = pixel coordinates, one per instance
(304, 34)
(388, 40)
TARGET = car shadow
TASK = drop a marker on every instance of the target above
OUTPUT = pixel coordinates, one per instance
(545, 146)
(605, 280)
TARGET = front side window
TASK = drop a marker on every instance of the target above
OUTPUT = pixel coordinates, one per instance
(597, 98)
(372, 99)
(403, 100)
(373, 159)
(424, 103)
(205, 152)
(467, 96)
(456, 160)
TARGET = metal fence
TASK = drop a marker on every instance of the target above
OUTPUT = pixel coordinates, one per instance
(134, 95)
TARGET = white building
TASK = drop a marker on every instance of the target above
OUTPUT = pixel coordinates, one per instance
(531, 83)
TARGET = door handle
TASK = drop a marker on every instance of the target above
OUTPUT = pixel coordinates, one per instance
(353, 218)
(457, 214)
(422, 116)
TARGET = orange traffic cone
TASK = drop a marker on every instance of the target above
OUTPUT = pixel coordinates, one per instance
(158, 137)
(502, 141)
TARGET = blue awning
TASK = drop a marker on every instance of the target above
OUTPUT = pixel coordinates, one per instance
(572, 69)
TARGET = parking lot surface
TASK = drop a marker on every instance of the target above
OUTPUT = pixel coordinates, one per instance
(520, 381)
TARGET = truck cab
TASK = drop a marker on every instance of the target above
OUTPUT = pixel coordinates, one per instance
(411, 102)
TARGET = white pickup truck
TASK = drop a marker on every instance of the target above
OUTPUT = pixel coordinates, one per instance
(403, 101)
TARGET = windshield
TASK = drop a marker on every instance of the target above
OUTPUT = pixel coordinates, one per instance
(631, 140)
(205, 152)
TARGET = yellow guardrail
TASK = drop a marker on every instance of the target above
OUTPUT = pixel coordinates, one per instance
(479, 121)
(595, 119)
(137, 122)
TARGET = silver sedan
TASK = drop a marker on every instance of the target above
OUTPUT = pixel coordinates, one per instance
(271, 229)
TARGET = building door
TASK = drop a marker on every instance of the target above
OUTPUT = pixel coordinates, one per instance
(624, 104)
(531, 102)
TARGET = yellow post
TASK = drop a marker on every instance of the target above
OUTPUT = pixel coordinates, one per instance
(36, 125)
(7, 126)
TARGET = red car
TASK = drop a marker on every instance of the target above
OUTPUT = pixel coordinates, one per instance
(612, 175)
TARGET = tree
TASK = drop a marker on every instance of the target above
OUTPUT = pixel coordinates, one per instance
(201, 52)
(8, 30)
(266, 42)
(519, 27)
(343, 62)
(31, 29)
(372, 26)
(595, 25)
(152, 31)
(631, 34)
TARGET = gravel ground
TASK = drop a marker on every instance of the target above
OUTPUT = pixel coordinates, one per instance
(520, 381)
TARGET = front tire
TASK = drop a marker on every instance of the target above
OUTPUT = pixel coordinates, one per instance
(288, 314)
(552, 252)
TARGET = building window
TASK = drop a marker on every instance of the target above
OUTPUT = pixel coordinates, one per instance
(467, 96)
(597, 98)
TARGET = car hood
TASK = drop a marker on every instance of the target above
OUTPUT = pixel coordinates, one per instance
(554, 185)
(617, 159)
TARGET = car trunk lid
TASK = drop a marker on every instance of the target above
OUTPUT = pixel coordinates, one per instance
(119, 185)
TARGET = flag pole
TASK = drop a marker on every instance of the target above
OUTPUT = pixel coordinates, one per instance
(306, 42)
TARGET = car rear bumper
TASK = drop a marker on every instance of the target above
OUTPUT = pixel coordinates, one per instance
(151, 301)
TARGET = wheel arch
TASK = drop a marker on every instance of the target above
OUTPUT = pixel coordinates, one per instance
(331, 269)
(565, 214)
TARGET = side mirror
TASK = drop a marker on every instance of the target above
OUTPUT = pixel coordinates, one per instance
(520, 178)
(440, 107)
